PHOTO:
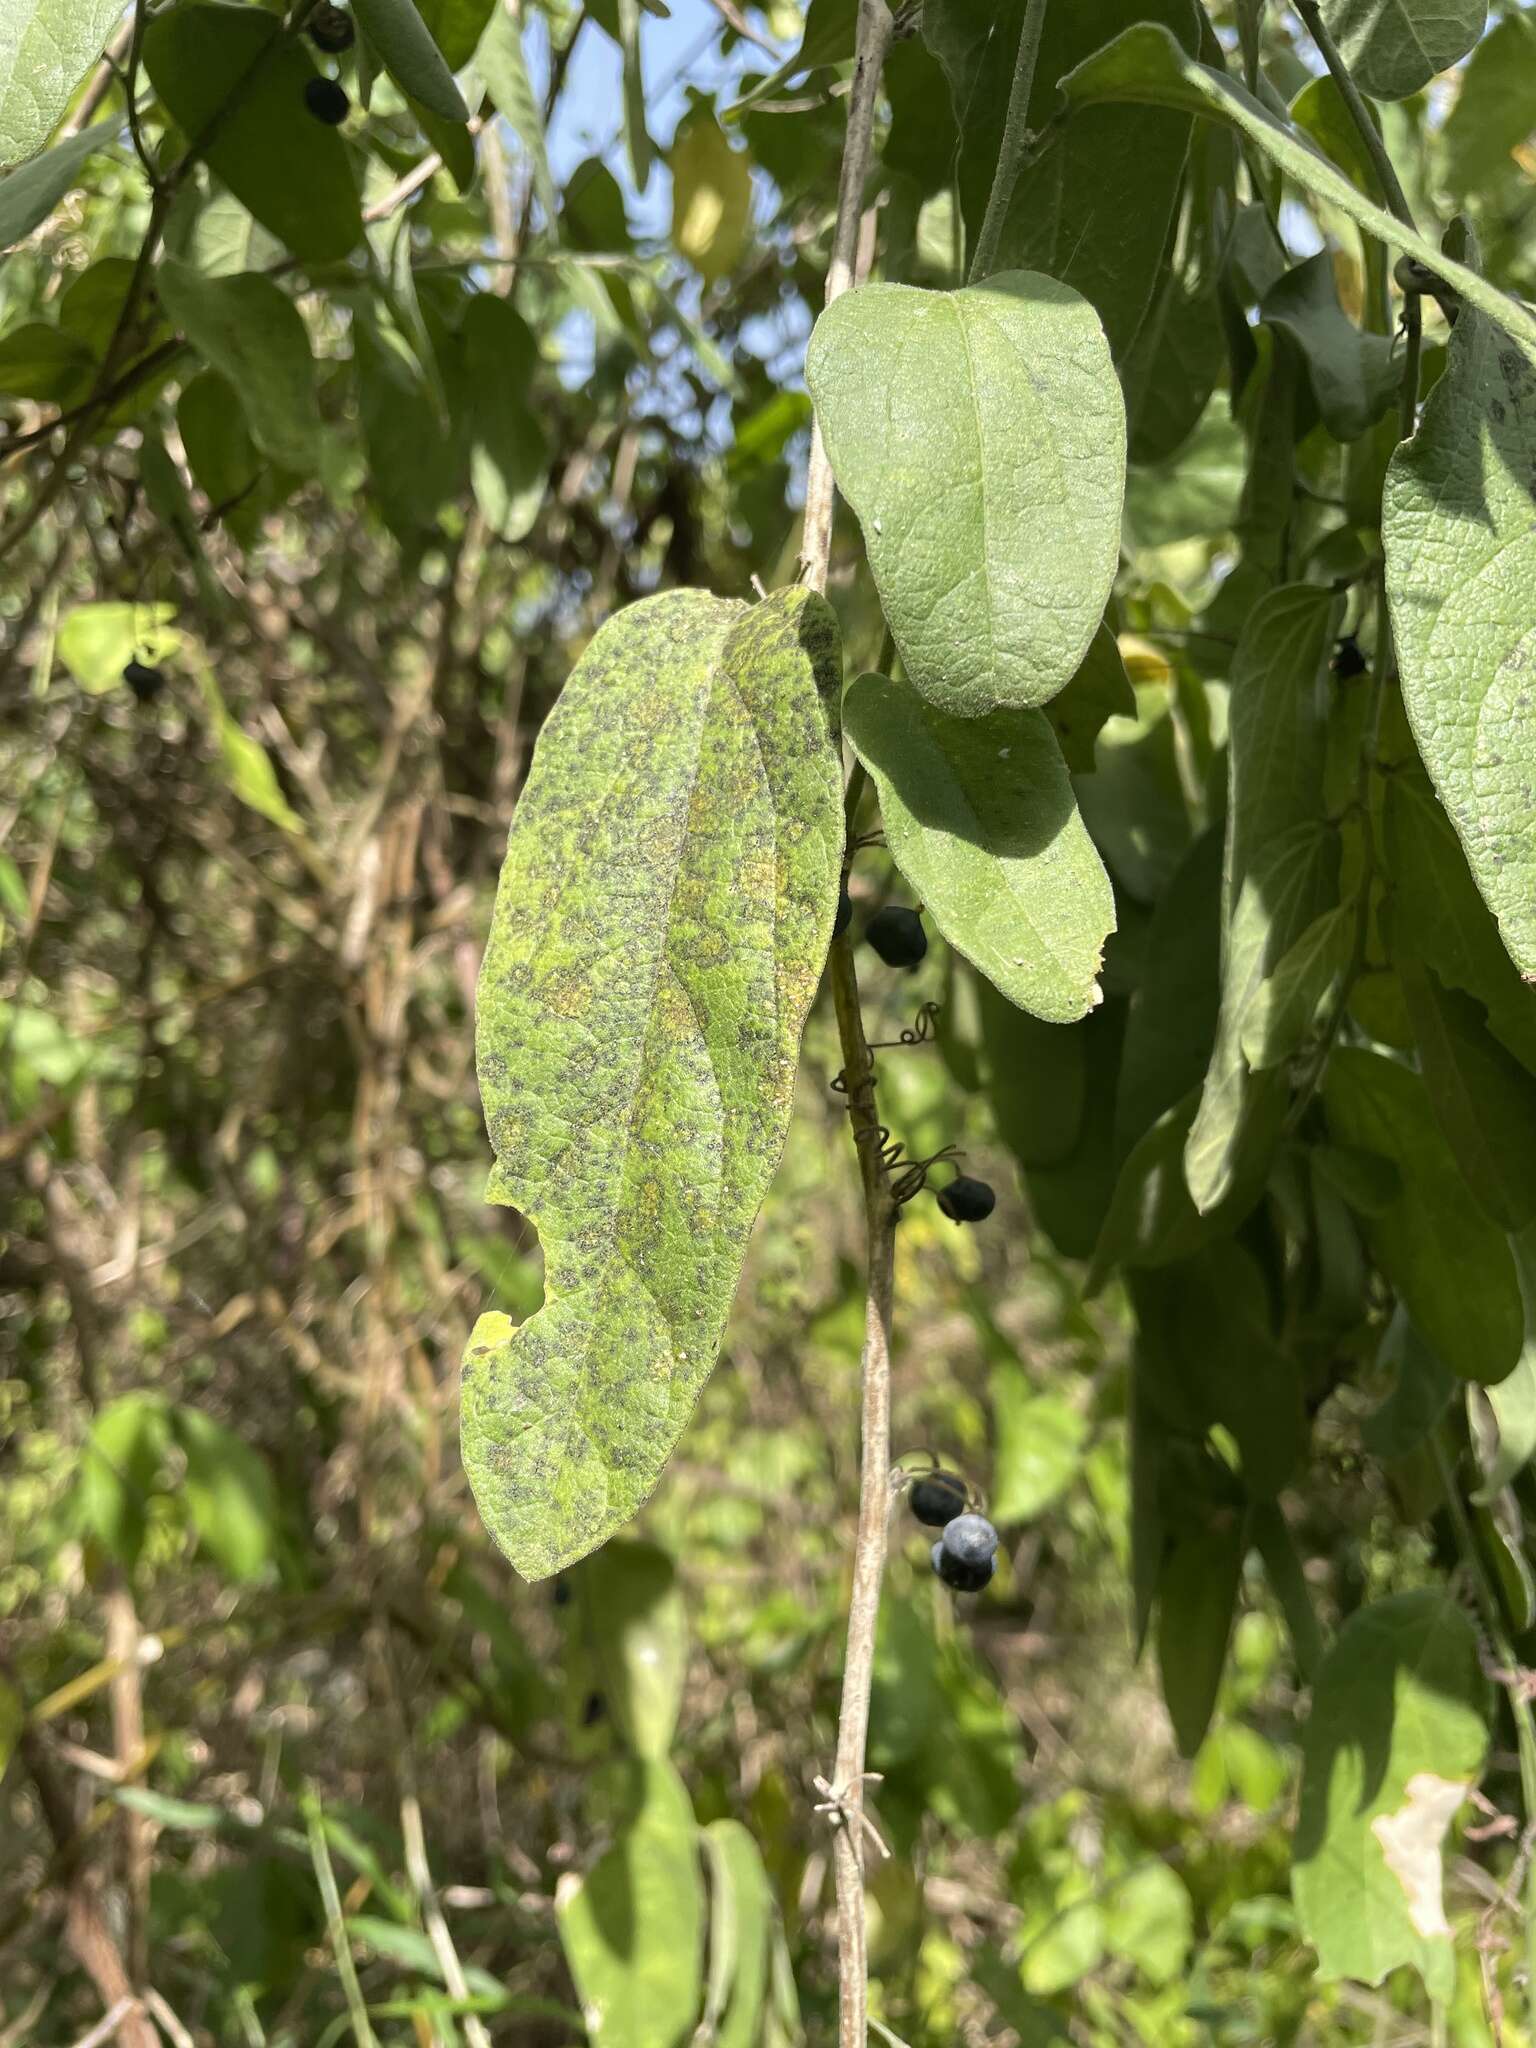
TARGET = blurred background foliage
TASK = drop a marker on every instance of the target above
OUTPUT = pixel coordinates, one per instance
(291, 1744)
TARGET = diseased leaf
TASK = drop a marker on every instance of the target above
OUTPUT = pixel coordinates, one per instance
(633, 1928)
(46, 48)
(1397, 1732)
(1460, 547)
(1281, 860)
(408, 53)
(638, 1629)
(663, 917)
(248, 328)
(30, 194)
(1393, 47)
(231, 78)
(979, 816)
(980, 437)
(1451, 1267)
(1146, 66)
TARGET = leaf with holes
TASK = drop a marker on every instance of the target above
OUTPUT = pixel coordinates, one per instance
(663, 918)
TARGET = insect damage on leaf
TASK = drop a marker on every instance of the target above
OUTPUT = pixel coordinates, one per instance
(1410, 1845)
(663, 917)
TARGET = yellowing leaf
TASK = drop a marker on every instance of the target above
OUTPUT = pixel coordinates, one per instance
(711, 197)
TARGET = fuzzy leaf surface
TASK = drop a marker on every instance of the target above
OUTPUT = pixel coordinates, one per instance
(664, 913)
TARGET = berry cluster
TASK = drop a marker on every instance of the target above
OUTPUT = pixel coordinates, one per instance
(965, 1556)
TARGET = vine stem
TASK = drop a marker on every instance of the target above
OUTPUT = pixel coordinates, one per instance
(1391, 189)
(875, 30)
(1519, 1705)
(1015, 142)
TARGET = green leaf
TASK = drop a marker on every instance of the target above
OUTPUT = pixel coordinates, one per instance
(1173, 1012)
(1273, 1541)
(13, 1719)
(711, 196)
(220, 452)
(980, 437)
(1196, 1606)
(228, 1495)
(457, 26)
(1460, 565)
(244, 761)
(413, 466)
(828, 38)
(1039, 1439)
(247, 328)
(40, 361)
(1172, 368)
(1094, 203)
(46, 48)
(638, 1628)
(1196, 494)
(1036, 1080)
(1279, 1019)
(632, 1928)
(1100, 690)
(1394, 47)
(1483, 1099)
(1451, 1267)
(1280, 857)
(97, 641)
(405, 48)
(740, 1918)
(1492, 113)
(508, 453)
(1513, 1400)
(637, 139)
(120, 1468)
(1354, 376)
(501, 65)
(1149, 1921)
(980, 818)
(1146, 66)
(1435, 914)
(1395, 1741)
(30, 194)
(663, 918)
(1421, 1392)
(230, 74)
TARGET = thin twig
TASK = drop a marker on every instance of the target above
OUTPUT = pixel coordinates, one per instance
(874, 39)
(1015, 141)
(335, 1923)
(1370, 135)
(733, 17)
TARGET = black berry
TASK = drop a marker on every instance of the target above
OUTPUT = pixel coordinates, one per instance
(844, 916)
(562, 1592)
(331, 30)
(966, 1200)
(897, 936)
(969, 1540)
(327, 101)
(145, 682)
(959, 1576)
(937, 1498)
(593, 1710)
(1348, 661)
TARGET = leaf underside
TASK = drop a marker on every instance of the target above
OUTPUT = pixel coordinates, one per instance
(664, 914)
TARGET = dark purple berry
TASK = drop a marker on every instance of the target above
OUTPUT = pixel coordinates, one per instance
(897, 936)
(145, 682)
(969, 1540)
(959, 1576)
(593, 1710)
(331, 30)
(937, 1498)
(966, 1200)
(1348, 661)
(844, 916)
(327, 101)
(562, 1592)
